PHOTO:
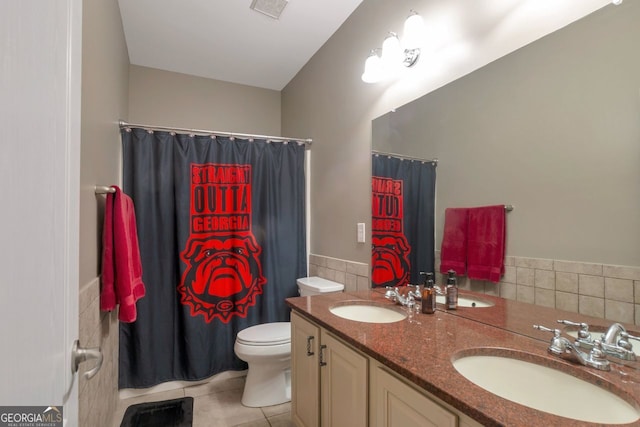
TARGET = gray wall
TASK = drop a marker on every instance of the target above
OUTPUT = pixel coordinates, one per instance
(328, 101)
(105, 81)
(165, 98)
(553, 128)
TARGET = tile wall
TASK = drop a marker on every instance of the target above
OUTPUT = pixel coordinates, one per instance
(353, 275)
(610, 292)
(97, 397)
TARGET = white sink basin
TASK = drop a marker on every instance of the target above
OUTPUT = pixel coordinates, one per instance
(368, 313)
(466, 302)
(546, 389)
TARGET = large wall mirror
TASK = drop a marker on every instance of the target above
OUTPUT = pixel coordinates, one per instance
(553, 129)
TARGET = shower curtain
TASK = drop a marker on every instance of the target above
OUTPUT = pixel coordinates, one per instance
(403, 214)
(221, 226)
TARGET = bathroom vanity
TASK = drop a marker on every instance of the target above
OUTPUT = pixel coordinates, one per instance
(348, 372)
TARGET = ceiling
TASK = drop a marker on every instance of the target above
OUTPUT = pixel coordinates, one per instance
(226, 40)
(230, 41)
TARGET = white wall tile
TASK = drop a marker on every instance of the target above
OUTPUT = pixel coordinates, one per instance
(510, 274)
(622, 272)
(508, 291)
(578, 267)
(351, 282)
(339, 276)
(591, 285)
(618, 289)
(619, 311)
(358, 268)
(525, 294)
(492, 288)
(545, 297)
(540, 263)
(567, 301)
(313, 270)
(567, 282)
(362, 283)
(336, 264)
(525, 276)
(318, 260)
(545, 279)
(591, 306)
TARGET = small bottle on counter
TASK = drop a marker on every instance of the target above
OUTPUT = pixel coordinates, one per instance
(428, 294)
(451, 291)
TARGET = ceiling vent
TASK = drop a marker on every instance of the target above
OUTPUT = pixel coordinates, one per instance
(271, 8)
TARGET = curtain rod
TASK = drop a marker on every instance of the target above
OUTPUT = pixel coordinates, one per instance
(124, 124)
(400, 156)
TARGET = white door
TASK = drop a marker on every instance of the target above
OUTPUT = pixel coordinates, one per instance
(40, 66)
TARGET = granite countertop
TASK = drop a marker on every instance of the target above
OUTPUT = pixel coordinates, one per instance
(422, 347)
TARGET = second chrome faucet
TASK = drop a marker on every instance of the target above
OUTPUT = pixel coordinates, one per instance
(615, 341)
(562, 347)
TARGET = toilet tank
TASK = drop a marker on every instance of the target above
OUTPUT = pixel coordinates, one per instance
(315, 285)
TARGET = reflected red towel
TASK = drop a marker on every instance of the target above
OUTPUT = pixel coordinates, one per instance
(453, 252)
(486, 243)
(121, 267)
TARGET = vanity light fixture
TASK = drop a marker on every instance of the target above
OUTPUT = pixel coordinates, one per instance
(617, 2)
(396, 53)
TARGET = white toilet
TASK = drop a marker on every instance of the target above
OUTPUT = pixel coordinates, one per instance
(267, 350)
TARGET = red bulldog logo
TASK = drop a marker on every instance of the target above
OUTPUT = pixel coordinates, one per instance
(223, 274)
(390, 264)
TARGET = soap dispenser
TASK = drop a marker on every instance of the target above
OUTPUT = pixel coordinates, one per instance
(428, 294)
(451, 291)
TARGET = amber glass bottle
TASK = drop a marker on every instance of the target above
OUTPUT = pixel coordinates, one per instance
(428, 295)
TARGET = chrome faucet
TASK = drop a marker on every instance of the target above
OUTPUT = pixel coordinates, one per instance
(615, 342)
(562, 347)
(610, 337)
(408, 300)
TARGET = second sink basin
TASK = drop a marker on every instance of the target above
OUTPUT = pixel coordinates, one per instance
(466, 301)
(368, 313)
(544, 388)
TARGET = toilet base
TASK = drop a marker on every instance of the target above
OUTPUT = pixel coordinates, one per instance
(267, 387)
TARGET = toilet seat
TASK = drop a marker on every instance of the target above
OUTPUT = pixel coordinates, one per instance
(266, 334)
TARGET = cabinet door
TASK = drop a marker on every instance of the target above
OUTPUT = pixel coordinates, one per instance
(344, 384)
(396, 404)
(305, 372)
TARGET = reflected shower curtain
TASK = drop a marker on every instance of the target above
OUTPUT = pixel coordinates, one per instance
(402, 216)
(221, 225)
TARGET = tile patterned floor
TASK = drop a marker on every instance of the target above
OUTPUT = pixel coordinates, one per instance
(218, 404)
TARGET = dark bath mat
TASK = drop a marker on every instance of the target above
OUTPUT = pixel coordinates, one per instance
(167, 413)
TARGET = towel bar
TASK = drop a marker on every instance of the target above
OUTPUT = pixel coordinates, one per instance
(104, 190)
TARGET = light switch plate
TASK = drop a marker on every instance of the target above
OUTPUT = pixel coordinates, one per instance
(361, 234)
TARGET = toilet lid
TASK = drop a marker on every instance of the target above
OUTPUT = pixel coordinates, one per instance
(266, 334)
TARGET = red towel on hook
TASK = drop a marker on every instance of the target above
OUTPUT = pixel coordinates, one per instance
(121, 266)
(486, 243)
(453, 253)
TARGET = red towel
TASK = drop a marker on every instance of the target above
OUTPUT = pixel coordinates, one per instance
(453, 253)
(486, 243)
(121, 267)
